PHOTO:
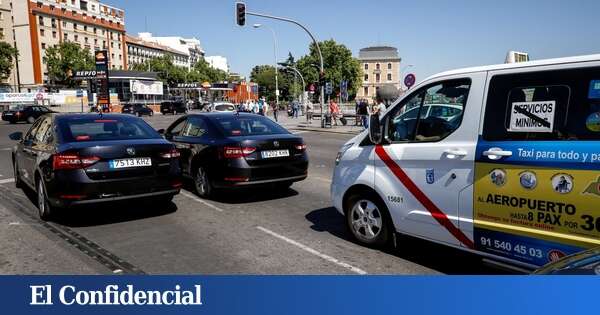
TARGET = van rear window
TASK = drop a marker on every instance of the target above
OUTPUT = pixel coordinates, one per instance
(545, 105)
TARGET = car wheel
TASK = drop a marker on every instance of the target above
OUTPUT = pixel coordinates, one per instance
(202, 183)
(18, 182)
(368, 220)
(30, 119)
(44, 208)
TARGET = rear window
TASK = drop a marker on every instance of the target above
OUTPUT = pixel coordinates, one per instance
(236, 125)
(548, 105)
(225, 107)
(104, 129)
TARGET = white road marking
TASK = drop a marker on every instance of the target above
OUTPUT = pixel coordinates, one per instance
(299, 132)
(187, 194)
(314, 252)
(6, 181)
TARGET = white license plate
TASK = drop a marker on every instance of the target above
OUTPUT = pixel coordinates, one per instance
(275, 153)
(135, 162)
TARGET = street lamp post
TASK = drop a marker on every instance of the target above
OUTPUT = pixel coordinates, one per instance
(322, 68)
(275, 64)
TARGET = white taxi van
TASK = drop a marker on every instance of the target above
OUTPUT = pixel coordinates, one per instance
(508, 167)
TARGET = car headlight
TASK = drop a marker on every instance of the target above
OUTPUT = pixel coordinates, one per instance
(342, 151)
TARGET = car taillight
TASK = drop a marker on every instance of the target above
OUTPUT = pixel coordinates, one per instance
(300, 147)
(172, 154)
(237, 152)
(72, 161)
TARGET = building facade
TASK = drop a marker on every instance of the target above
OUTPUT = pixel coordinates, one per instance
(218, 62)
(139, 51)
(7, 35)
(381, 66)
(188, 46)
(40, 24)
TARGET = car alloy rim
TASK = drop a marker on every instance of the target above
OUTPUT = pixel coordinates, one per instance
(366, 219)
(201, 181)
(41, 199)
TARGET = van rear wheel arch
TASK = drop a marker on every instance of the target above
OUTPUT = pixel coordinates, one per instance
(363, 192)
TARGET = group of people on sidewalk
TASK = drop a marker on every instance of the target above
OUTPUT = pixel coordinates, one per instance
(260, 107)
(362, 111)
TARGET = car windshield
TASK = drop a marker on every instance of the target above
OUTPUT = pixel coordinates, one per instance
(16, 107)
(79, 129)
(235, 125)
(224, 107)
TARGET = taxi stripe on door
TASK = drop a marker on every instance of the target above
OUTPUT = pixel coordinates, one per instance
(436, 213)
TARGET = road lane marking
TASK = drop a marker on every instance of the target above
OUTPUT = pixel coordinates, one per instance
(299, 132)
(6, 181)
(314, 252)
(187, 194)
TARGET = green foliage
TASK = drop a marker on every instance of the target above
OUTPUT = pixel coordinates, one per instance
(290, 85)
(172, 74)
(66, 58)
(264, 76)
(338, 63)
(7, 55)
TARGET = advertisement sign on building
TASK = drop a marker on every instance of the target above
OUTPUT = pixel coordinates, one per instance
(102, 62)
(146, 87)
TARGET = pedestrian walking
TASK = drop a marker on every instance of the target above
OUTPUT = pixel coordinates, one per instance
(334, 109)
(275, 110)
(261, 110)
(363, 113)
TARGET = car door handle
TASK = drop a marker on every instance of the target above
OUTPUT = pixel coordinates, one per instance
(453, 154)
(497, 153)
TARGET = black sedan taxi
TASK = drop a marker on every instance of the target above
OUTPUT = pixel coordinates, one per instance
(78, 159)
(26, 113)
(229, 150)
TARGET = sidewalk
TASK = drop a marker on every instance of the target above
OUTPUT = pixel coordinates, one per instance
(300, 123)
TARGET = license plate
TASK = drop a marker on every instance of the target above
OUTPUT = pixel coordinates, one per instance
(275, 153)
(134, 162)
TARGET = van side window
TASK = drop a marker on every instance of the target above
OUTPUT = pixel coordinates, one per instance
(544, 106)
(430, 115)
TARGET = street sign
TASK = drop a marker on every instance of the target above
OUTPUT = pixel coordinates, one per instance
(410, 80)
(39, 96)
(89, 75)
(79, 93)
(102, 62)
(328, 88)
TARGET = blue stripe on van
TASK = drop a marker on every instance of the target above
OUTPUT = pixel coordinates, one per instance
(556, 154)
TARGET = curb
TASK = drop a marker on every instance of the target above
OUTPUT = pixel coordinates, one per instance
(325, 130)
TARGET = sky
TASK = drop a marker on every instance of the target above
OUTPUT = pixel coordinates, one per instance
(432, 36)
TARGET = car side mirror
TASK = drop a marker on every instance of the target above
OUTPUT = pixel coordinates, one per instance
(161, 131)
(375, 130)
(16, 136)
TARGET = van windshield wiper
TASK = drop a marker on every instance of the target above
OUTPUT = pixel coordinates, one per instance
(539, 120)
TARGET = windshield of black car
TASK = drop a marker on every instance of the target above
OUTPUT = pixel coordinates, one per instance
(105, 129)
(236, 125)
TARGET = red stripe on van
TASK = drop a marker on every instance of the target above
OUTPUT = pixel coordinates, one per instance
(436, 213)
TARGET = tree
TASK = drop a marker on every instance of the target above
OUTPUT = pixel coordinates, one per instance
(338, 63)
(7, 55)
(205, 72)
(264, 76)
(66, 58)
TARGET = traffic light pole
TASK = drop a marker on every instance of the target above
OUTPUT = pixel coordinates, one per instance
(322, 70)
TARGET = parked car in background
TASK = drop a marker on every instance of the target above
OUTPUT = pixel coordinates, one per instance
(227, 150)
(80, 159)
(173, 107)
(26, 113)
(223, 107)
(137, 109)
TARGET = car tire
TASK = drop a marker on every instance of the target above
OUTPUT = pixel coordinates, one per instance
(368, 220)
(18, 181)
(30, 119)
(202, 183)
(45, 211)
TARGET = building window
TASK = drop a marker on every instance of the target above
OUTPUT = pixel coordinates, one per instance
(1, 33)
(378, 66)
(389, 66)
(53, 34)
(41, 32)
(39, 4)
(366, 77)
(96, 41)
(85, 28)
(377, 77)
(389, 77)
(66, 36)
(366, 66)
(76, 38)
(366, 91)
(85, 40)
(43, 46)
(74, 13)
(95, 30)
(112, 45)
(53, 23)
(64, 23)
(41, 20)
(74, 26)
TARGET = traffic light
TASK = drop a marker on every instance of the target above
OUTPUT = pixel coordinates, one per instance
(240, 10)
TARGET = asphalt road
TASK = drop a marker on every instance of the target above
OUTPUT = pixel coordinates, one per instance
(245, 232)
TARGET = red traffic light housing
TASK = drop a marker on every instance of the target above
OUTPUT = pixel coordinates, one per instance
(240, 13)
